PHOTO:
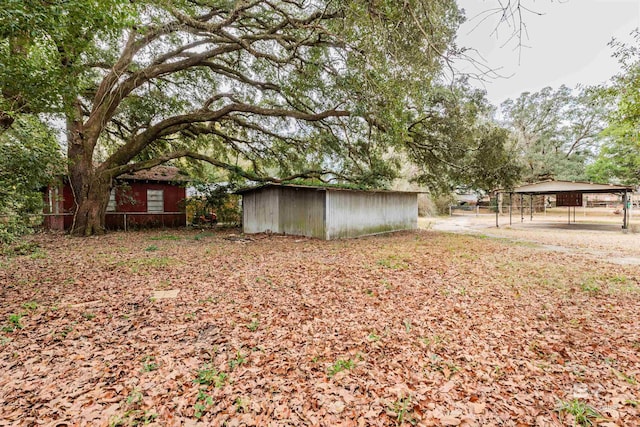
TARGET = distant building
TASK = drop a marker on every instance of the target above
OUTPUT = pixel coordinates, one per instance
(326, 212)
(144, 199)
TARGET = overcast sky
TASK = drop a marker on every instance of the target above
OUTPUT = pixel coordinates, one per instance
(565, 45)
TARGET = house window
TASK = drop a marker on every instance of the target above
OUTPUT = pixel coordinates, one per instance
(111, 206)
(155, 200)
(54, 204)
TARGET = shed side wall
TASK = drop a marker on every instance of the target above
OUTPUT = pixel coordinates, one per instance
(352, 214)
(260, 211)
(302, 212)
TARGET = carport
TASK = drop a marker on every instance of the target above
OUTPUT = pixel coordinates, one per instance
(568, 194)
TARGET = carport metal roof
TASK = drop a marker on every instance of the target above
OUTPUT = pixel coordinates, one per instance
(556, 187)
(553, 187)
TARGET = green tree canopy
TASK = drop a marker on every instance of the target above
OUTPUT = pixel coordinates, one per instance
(457, 144)
(29, 159)
(619, 159)
(557, 131)
(46, 47)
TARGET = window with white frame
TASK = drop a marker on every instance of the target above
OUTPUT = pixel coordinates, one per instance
(155, 200)
(111, 206)
(54, 200)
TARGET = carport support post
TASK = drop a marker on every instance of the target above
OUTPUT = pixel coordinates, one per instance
(530, 207)
(624, 204)
(521, 208)
(510, 206)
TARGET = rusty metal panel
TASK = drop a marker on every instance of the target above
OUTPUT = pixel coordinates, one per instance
(354, 213)
(302, 212)
(569, 199)
(260, 211)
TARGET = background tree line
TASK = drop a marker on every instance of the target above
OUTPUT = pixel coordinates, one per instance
(585, 133)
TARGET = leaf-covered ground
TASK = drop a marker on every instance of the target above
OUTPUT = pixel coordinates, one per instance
(418, 328)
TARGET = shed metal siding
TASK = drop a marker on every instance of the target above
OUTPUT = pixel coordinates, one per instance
(352, 214)
(261, 211)
(302, 212)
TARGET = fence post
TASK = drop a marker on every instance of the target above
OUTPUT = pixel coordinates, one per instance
(449, 210)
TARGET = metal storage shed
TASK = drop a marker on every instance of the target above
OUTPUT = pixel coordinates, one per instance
(326, 212)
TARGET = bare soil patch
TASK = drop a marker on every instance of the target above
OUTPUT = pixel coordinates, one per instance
(422, 328)
(594, 233)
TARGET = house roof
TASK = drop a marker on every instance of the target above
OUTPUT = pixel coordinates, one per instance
(318, 188)
(157, 173)
(552, 187)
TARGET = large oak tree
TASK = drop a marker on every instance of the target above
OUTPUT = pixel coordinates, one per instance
(268, 89)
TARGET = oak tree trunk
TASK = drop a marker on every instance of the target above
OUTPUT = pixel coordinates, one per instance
(90, 186)
(92, 197)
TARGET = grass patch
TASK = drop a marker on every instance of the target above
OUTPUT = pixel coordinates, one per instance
(31, 305)
(402, 409)
(393, 262)
(590, 286)
(38, 254)
(165, 237)
(239, 360)
(339, 366)
(583, 414)
(202, 235)
(373, 337)
(149, 364)
(134, 415)
(203, 403)
(621, 283)
(253, 326)
(241, 404)
(13, 322)
(628, 378)
(21, 248)
(432, 342)
(208, 375)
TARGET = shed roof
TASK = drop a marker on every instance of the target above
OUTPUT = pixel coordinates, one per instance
(552, 187)
(157, 173)
(318, 188)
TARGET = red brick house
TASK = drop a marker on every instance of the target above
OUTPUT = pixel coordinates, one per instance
(144, 199)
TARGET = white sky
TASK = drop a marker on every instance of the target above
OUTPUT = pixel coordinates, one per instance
(566, 45)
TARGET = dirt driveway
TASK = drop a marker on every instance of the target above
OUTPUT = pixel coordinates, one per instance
(599, 236)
